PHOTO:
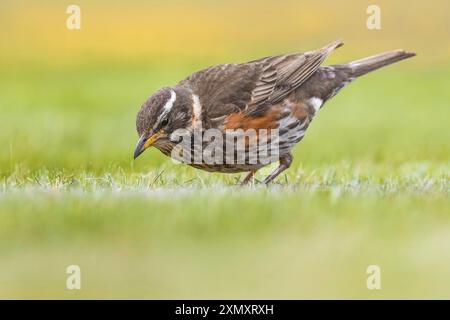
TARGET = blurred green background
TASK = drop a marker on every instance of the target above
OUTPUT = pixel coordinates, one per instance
(369, 185)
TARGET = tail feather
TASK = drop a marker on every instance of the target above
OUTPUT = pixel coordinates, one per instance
(366, 65)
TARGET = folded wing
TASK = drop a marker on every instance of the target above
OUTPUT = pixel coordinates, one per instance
(230, 88)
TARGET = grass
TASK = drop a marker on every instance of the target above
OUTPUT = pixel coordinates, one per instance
(168, 236)
(369, 185)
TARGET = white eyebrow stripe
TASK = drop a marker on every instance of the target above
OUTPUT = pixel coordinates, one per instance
(169, 104)
(196, 112)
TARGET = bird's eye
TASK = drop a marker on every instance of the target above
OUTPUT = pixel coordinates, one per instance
(164, 122)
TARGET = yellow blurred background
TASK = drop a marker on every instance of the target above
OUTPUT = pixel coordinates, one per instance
(234, 29)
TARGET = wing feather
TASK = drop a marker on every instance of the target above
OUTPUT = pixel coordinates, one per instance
(283, 74)
(230, 88)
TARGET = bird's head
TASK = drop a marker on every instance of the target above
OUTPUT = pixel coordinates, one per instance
(164, 112)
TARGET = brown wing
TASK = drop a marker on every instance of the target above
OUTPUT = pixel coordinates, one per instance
(224, 89)
(283, 74)
(229, 88)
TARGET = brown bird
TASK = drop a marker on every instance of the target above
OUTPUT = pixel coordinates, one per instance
(280, 93)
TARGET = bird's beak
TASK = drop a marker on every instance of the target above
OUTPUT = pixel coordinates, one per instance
(146, 142)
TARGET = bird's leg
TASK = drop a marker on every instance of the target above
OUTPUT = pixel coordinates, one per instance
(285, 162)
(248, 178)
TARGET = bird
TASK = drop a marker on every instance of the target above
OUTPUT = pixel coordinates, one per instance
(282, 93)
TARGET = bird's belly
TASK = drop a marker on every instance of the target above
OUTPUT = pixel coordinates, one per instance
(236, 152)
(228, 168)
(291, 132)
(285, 125)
